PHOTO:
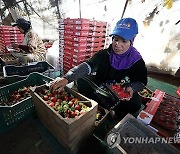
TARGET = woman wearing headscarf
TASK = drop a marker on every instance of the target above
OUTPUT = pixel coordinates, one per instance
(120, 62)
(32, 45)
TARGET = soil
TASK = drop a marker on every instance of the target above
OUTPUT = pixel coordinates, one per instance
(165, 78)
(24, 139)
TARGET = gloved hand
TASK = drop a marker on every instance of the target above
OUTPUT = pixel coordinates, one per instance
(129, 90)
(58, 84)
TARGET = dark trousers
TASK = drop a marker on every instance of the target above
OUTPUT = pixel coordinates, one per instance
(87, 87)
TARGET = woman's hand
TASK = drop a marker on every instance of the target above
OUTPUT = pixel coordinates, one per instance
(129, 90)
(58, 84)
(15, 45)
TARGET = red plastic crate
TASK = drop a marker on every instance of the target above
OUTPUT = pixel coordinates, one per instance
(4, 27)
(69, 48)
(68, 53)
(4, 44)
(68, 37)
(4, 31)
(74, 63)
(80, 39)
(96, 39)
(100, 23)
(67, 58)
(80, 49)
(10, 29)
(65, 21)
(95, 49)
(81, 27)
(178, 91)
(66, 69)
(68, 43)
(98, 34)
(81, 21)
(68, 27)
(81, 56)
(5, 39)
(78, 60)
(81, 33)
(81, 44)
(6, 35)
(67, 63)
(94, 44)
(99, 29)
(70, 21)
(19, 35)
(68, 32)
(67, 66)
(78, 54)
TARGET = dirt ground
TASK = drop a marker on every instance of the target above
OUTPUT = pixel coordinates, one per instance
(165, 78)
(24, 139)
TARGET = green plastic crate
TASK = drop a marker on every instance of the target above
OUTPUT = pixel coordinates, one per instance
(9, 80)
(11, 116)
(41, 67)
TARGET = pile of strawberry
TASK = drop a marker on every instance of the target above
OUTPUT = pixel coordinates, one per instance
(145, 93)
(17, 96)
(64, 103)
(119, 91)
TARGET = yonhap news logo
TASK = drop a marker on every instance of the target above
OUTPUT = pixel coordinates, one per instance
(114, 139)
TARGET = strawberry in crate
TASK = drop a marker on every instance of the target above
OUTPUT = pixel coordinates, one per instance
(146, 93)
(17, 96)
(64, 103)
(120, 91)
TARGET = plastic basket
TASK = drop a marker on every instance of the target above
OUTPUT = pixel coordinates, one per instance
(8, 59)
(10, 116)
(42, 67)
(10, 80)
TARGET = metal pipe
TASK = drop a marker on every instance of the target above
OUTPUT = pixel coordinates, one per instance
(80, 8)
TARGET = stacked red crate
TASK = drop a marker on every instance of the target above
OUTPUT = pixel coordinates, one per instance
(9, 35)
(61, 44)
(82, 38)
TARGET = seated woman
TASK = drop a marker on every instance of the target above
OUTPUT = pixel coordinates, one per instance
(120, 62)
(32, 46)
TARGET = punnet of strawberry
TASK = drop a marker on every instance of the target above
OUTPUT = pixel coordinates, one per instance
(120, 92)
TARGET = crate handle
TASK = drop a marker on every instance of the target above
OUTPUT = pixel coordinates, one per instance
(47, 83)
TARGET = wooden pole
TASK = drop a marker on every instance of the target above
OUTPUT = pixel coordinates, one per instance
(57, 5)
(80, 8)
(124, 8)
